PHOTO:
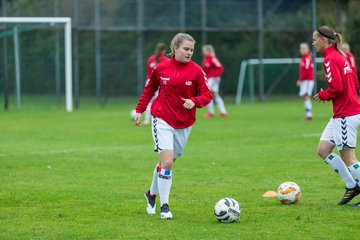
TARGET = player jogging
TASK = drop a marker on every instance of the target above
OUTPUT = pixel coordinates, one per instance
(182, 88)
(159, 56)
(306, 78)
(341, 131)
(213, 69)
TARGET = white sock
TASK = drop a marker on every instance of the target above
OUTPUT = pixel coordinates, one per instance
(336, 163)
(355, 172)
(164, 185)
(220, 104)
(154, 185)
(211, 107)
(308, 107)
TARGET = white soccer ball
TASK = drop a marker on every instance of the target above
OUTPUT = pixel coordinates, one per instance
(227, 210)
(289, 192)
(132, 114)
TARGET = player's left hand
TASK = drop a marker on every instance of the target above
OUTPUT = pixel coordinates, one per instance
(188, 103)
(137, 119)
(316, 97)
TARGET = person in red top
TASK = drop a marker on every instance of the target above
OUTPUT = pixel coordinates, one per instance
(158, 57)
(306, 78)
(341, 131)
(182, 88)
(346, 48)
(213, 69)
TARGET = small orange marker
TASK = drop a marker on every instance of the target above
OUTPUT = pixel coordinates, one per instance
(270, 194)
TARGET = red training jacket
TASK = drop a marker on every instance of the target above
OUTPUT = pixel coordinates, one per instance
(352, 61)
(306, 68)
(342, 84)
(151, 64)
(212, 67)
(175, 81)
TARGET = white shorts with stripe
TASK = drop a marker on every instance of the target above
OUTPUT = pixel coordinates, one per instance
(342, 132)
(168, 138)
(214, 84)
(306, 88)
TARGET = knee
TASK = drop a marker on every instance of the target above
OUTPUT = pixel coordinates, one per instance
(348, 156)
(323, 152)
(166, 159)
(167, 164)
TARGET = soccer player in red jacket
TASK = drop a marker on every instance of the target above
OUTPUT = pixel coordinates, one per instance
(213, 69)
(158, 57)
(346, 48)
(306, 78)
(182, 88)
(341, 131)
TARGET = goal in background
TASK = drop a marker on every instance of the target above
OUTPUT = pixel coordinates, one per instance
(16, 71)
(276, 71)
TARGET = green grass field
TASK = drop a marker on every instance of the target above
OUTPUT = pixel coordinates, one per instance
(82, 175)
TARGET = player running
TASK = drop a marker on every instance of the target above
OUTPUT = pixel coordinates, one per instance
(341, 131)
(159, 56)
(213, 69)
(306, 78)
(182, 88)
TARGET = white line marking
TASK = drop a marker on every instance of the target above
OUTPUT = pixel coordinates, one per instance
(309, 135)
(112, 148)
(70, 150)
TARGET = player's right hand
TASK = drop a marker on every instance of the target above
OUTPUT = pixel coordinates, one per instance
(298, 83)
(137, 119)
(316, 97)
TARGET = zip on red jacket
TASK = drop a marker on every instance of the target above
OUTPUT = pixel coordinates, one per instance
(306, 68)
(342, 84)
(151, 64)
(176, 81)
(212, 67)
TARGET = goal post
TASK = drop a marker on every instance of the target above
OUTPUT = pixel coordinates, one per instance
(245, 64)
(66, 22)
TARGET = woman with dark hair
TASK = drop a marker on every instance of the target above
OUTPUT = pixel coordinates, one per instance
(155, 59)
(341, 131)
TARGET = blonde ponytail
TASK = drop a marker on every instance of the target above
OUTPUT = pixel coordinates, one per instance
(338, 43)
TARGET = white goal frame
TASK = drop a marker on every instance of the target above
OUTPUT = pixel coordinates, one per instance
(66, 21)
(244, 64)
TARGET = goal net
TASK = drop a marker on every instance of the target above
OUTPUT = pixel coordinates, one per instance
(36, 59)
(280, 75)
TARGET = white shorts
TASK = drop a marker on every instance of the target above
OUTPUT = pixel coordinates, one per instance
(169, 138)
(214, 84)
(342, 132)
(306, 88)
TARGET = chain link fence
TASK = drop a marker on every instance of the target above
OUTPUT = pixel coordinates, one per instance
(113, 38)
